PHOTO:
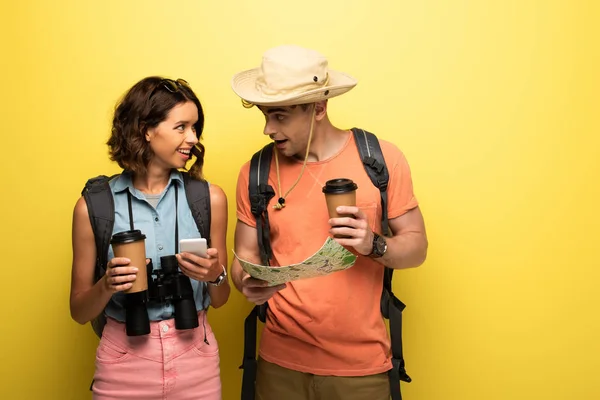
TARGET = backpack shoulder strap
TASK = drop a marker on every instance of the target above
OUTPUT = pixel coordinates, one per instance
(101, 210)
(391, 307)
(374, 163)
(197, 193)
(260, 195)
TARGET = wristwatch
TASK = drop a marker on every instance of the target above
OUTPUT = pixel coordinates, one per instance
(379, 246)
(221, 278)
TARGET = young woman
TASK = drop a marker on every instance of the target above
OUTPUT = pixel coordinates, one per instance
(156, 130)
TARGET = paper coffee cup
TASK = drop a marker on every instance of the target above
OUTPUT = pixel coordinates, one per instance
(339, 192)
(131, 244)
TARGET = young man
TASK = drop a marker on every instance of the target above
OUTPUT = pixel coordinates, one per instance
(324, 337)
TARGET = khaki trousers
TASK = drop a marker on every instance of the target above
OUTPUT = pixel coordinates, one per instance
(277, 383)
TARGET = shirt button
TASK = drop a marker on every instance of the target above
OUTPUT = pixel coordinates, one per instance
(160, 247)
(156, 219)
(165, 328)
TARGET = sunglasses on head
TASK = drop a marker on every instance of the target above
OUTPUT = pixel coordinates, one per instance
(171, 85)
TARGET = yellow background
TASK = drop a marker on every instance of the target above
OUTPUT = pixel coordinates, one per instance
(495, 104)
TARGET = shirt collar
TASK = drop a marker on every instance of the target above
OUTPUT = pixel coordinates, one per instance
(124, 181)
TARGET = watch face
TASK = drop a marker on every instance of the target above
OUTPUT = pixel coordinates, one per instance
(220, 279)
(379, 246)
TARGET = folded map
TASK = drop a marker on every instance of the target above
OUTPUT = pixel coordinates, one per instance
(331, 257)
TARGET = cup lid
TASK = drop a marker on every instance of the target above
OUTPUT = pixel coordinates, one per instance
(339, 186)
(127, 237)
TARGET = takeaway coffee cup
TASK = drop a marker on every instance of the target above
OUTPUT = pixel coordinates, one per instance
(131, 244)
(339, 192)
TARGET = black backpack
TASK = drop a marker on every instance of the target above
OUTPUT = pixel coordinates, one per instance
(391, 308)
(101, 209)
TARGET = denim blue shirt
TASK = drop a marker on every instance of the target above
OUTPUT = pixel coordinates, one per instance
(158, 224)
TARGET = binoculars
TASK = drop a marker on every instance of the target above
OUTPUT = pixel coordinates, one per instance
(166, 285)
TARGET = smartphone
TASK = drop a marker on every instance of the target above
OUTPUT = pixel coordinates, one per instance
(195, 246)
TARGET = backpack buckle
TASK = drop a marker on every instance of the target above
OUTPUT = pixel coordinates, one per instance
(260, 200)
(398, 365)
(382, 184)
(374, 164)
(257, 204)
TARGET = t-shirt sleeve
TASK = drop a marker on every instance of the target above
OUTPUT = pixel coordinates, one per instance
(242, 197)
(401, 197)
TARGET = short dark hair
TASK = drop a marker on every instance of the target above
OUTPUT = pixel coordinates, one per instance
(143, 107)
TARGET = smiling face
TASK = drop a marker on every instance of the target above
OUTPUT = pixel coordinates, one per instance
(171, 140)
(289, 128)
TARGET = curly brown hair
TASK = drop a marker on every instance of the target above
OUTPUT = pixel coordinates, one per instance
(144, 106)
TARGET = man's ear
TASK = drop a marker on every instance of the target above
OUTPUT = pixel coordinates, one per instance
(320, 110)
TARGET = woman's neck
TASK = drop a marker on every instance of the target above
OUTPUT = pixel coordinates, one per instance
(153, 181)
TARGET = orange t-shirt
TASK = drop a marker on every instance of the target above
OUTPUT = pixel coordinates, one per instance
(330, 325)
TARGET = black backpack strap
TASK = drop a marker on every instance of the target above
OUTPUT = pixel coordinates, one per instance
(374, 163)
(101, 210)
(249, 364)
(197, 193)
(391, 307)
(260, 194)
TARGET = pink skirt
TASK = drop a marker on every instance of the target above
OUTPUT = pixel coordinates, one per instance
(166, 364)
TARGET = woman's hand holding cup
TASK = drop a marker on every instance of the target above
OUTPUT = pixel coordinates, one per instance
(119, 275)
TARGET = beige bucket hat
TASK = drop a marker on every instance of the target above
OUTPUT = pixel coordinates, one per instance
(290, 75)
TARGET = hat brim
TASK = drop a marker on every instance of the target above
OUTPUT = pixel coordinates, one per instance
(244, 85)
